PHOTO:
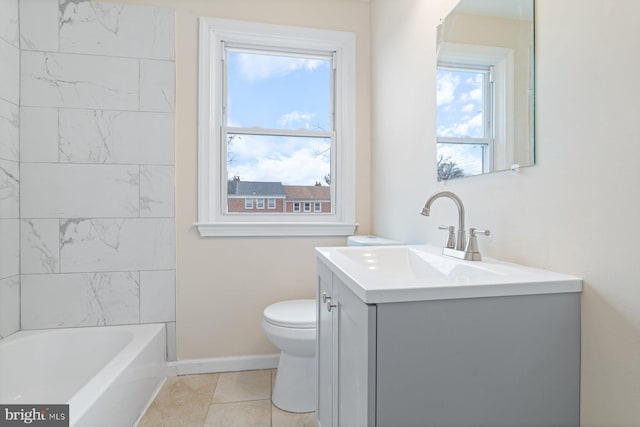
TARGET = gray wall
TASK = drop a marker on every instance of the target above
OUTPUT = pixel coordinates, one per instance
(9, 169)
(97, 221)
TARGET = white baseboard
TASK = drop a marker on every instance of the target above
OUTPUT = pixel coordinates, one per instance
(222, 364)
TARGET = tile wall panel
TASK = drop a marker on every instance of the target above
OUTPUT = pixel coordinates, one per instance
(157, 86)
(157, 191)
(78, 81)
(9, 22)
(38, 134)
(117, 30)
(52, 190)
(117, 244)
(9, 72)
(9, 248)
(9, 189)
(85, 299)
(9, 305)
(9, 131)
(39, 25)
(99, 136)
(9, 168)
(157, 296)
(40, 246)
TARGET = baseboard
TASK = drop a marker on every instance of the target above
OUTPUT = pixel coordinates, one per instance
(222, 364)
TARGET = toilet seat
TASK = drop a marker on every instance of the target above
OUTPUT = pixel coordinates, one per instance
(299, 314)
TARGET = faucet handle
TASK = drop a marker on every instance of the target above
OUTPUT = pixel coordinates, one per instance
(471, 252)
(474, 231)
(451, 241)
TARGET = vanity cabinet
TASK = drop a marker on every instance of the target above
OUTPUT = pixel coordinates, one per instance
(510, 360)
(346, 350)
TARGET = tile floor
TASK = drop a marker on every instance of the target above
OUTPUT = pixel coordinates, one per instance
(228, 399)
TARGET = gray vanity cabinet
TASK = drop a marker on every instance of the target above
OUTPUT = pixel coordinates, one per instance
(493, 361)
(346, 355)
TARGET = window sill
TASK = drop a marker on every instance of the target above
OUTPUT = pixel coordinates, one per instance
(275, 229)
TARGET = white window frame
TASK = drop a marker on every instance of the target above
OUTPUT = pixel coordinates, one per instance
(317, 206)
(212, 221)
(307, 206)
(271, 203)
(248, 203)
(296, 206)
(260, 203)
(501, 149)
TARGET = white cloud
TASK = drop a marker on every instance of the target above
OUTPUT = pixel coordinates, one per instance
(468, 108)
(254, 67)
(303, 120)
(468, 126)
(293, 161)
(446, 87)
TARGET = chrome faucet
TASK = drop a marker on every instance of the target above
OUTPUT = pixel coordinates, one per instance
(426, 211)
(462, 249)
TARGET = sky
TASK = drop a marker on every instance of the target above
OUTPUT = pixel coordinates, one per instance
(460, 107)
(278, 92)
(291, 93)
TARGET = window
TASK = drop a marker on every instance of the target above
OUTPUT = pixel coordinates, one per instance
(465, 132)
(248, 203)
(277, 111)
(474, 120)
(317, 207)
(296, 207)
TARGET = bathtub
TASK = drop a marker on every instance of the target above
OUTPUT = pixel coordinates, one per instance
(107, 375)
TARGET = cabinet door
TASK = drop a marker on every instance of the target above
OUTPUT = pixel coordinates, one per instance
(324, 348)
(354, 329)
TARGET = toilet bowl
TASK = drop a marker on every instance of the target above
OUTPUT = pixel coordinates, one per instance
(291, 326)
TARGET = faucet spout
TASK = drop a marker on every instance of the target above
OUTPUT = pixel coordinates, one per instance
(426, 211)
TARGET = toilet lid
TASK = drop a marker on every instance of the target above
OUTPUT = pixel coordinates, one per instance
(299, 313)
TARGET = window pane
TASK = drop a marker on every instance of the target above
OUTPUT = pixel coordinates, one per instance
(457, 160)
(278, 91)
(290, 160)
(292, 168)
(461, 103)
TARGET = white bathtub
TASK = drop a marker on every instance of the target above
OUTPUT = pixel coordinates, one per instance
(107, 375)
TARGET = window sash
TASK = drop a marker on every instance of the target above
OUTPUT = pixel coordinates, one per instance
(226, 130)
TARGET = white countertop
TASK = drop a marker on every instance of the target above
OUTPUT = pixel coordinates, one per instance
(386, 274)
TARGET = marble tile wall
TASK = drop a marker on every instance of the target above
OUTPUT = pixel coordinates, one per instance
(9, 169)
(97, 223)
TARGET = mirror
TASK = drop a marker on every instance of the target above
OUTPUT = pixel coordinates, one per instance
(485, 88)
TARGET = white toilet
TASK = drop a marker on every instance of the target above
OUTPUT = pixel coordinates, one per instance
(291, 326)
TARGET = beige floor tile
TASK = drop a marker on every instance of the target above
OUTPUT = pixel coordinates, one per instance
(182, 402)
(280, 418)
(256, 413)
(243, 386)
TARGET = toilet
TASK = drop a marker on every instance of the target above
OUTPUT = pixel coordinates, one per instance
(291, 326)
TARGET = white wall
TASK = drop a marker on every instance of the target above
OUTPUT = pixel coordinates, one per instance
(575, 211)
(9, 169)
(97, 149)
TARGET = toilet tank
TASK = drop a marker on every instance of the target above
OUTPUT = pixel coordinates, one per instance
(370, 241)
